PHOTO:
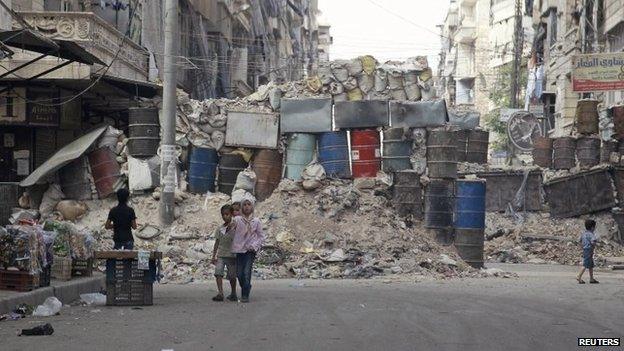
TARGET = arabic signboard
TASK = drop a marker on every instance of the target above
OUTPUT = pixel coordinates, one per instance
(43, 108)
(598, 72)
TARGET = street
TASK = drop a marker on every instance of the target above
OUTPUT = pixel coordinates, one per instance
(542, 309)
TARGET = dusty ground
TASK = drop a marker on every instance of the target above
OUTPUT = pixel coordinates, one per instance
(543, 309)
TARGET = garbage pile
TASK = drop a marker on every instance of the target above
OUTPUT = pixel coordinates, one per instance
(25, 248)
(536, 238)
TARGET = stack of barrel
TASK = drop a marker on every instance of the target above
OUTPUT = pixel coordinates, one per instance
(472, 146)
(440, 191)
(333, 153)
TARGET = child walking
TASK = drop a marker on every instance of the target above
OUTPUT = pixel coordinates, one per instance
(223, 257)
(248, 239)
(588, 242)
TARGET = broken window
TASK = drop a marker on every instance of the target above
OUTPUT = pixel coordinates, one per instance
(465, 91)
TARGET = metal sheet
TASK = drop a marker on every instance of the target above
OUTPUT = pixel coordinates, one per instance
(579, 194)
(252, 129)
(64, 156)
(419, 114)
(361, 114)
(306, 115)
(502, 187)
(464, 120)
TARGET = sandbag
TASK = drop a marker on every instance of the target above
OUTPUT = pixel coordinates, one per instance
(398, 94)
(366, 82)
(381, 80)
(339, 70)
(336, 88)
(109, 138)
(395, 80)
(240, 195)
(355, 95)
(143, 174)
(369, 63)
(350, 83)
(246, 180)
(71, 209)
(50, 199)
(354, 66)
(412, 91)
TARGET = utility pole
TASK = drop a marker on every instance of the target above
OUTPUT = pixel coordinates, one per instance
(517, 59)
(168, 169)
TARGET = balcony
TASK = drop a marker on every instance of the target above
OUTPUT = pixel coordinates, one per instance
(97, 37)
(466, 33)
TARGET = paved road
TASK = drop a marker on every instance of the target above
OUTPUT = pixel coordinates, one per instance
(542, 310)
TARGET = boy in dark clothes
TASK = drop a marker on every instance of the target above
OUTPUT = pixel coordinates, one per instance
(122, 219)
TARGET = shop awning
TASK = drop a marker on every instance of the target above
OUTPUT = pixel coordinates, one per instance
(62, 157)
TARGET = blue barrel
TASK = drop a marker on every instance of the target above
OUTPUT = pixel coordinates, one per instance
(470, 204)
(202, 170)
(299, 153)
(334, 154)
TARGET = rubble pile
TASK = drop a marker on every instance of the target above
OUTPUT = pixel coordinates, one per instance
(537, 238)
(341, 230)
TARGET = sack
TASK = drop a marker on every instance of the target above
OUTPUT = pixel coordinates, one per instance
(246, 180)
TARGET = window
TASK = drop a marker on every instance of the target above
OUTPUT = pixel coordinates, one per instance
(552, 26)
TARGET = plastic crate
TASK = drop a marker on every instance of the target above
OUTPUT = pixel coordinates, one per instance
(18, 280)
(82, 268)
(62, 268)
(45, 276)
(126, 285)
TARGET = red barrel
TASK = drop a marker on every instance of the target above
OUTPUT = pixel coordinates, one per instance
(365, 153)
(105, 170)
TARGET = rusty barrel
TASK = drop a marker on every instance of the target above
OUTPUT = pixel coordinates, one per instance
(461, 142)
(105, 170)
(407, 194)
(618, 120)
(588, 151)
(439, 203)
(542, 152)
(469, 244)
(230, 165)
(441, 154)
(477, 150)
(144, 132)
(397, 150)
(563, 153)
(268, 167)
(75, 182)
(365, 153)
(608, 148)
(587, 116)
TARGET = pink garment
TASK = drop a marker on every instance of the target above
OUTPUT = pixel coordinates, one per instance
(248, 235)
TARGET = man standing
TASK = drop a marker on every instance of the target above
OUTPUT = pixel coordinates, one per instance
(588, 242)
(122, 219)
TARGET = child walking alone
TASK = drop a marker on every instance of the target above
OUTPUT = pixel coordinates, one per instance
(248, 239)
(222, 256)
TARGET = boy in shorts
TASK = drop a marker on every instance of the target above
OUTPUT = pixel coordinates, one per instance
(222, 255)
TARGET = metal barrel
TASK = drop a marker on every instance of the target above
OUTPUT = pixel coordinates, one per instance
(461, 142)
(608, 147)
(470, 204)
(469, 245)
(333, 152)
(441, 154)
(588, 151)
(396, 151)
(75, 182)
(202, 170)
(563, 153)
(618, 121)
(439, 203)
(407, 194)
(105, 170)
(144, 132)
(9, 198)
(230, 165)
(300, 152)
(618, 217)
(542, 152)
(365, 153)
(268, 167)
(477, 149)
(587, 116)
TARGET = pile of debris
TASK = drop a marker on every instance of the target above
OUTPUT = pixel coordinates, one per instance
(537, 238)
(340, 230)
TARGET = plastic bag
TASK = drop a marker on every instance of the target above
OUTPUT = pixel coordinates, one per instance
(95, 299)
(50, 307)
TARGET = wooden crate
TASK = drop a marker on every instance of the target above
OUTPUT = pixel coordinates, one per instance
(82, 268)
(126, 285)
(62, 268)
(18, 280)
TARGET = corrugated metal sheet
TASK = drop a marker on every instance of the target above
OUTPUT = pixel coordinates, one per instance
(64, 156)
(306, 115)
(252, 129)
(361, 114)
(418, 114)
